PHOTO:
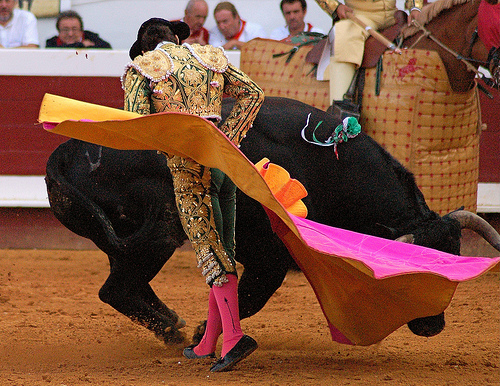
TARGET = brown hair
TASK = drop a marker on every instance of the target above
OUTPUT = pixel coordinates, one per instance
(155, 34)
(226, 6)
(302, 3)
(69, 15)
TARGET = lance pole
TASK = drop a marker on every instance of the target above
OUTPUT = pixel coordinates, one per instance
(382, 39)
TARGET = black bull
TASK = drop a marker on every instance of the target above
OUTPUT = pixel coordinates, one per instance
(123, 201)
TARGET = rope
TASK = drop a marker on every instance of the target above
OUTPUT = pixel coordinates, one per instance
(378, 76)
(428, 34)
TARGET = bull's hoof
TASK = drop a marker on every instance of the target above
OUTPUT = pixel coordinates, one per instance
(181, 323)
(428, 326)
(199, 332)
(172, 336)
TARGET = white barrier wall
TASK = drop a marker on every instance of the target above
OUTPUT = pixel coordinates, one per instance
(30, 191)
(71, 62)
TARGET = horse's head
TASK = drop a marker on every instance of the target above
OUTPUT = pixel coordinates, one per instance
(462, 32)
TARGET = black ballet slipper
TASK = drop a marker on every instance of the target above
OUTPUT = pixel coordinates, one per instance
(245, 346)
(190, 354)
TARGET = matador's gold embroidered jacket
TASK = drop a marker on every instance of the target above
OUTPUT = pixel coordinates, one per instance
(192, 79)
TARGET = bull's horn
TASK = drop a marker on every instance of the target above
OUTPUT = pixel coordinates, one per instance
(472, 221)
(408, 239)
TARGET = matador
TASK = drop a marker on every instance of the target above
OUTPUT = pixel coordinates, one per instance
(165, 76)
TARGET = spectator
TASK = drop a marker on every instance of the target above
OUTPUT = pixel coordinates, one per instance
(69, 24)
(294, 12)
(18, 28)
(232, 32)
(195, 15)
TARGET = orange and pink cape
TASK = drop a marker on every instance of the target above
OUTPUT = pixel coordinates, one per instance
(367, 286)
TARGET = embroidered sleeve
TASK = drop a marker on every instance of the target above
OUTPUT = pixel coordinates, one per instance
(249, 97)
(213, 58)
(137, 92)
(156, 65)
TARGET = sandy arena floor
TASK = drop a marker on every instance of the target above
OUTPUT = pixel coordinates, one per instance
(55, 331)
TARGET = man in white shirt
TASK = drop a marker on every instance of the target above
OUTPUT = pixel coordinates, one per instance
(18, 28)
(232, 32)
(294, 12)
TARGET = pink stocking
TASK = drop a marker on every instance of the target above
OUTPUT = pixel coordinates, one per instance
(227, 301)
(213, 328)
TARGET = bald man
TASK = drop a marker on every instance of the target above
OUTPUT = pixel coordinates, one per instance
(195, 15)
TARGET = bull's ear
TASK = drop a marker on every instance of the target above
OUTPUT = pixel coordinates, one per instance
(386, 232)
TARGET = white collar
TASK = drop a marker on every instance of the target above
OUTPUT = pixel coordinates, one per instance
(163, 43)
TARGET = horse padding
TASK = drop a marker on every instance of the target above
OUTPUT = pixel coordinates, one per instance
(417, 117)
(295, 79)
(428, 127)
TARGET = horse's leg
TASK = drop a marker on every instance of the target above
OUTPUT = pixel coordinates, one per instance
(128, 291)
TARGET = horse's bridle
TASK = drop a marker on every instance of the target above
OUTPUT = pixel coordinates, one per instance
(493, 62)
(494, 65)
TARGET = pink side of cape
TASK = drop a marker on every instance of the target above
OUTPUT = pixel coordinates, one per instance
(389, 258)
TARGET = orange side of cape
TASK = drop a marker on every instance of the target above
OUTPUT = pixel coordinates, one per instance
(363, 308)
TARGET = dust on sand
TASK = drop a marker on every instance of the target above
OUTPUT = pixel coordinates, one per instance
(54, 330)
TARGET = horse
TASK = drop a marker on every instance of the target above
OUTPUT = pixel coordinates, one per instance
(423, 105)
(394, 118)
(441, 21)
(453, 22)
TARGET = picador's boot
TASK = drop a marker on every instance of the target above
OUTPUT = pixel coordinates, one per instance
(343, 82)
(343, 109)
